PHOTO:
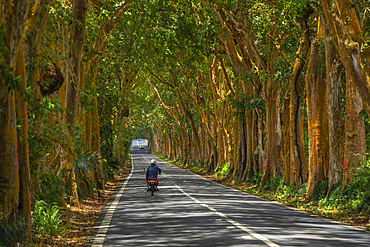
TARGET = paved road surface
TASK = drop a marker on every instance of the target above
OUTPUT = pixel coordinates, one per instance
(192, 211)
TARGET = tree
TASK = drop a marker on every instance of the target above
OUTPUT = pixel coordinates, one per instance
(343, 25)
(317, 120)
(13, 23)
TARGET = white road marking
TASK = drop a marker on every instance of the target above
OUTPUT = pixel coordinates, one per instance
(103, 228)
(100, 237)
(240, 226)
(246, 237)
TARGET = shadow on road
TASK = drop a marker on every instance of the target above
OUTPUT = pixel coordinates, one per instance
(184, 218)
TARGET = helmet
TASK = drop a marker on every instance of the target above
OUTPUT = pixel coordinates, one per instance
(153, 161)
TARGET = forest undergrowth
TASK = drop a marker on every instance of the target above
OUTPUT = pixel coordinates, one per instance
(79, 222)
(55, 226)
(349, 205)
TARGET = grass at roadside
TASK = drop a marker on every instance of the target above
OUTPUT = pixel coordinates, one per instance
(338, 205)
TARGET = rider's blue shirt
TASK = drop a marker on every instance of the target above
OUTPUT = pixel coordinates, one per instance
(153, 171)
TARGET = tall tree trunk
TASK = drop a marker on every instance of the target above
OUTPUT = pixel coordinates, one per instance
(23, 148)
(249, 137)
(256, 142)
(94, 127)
(32, 41)
(346, 33)
(287, 163)
(273, 129)
(79, 10)
(95, 144)
(8, 165)
(242, 148)
(165, 146)
(204, 137)
(355, 144)
(316, 105)
(296, 126)
(249, 142)
(235, 140)
(12, 21)
(336, 134)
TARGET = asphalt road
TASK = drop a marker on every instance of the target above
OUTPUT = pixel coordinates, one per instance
(135, 147)
(192, 211)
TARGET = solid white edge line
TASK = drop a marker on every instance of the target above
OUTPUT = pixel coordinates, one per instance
(103, 228)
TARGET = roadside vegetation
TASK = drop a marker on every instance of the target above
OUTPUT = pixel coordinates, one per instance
(53, 225)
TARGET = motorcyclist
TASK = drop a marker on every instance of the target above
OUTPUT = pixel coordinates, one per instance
(152, 171)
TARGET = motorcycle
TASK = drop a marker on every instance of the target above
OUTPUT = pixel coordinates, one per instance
(153, 185)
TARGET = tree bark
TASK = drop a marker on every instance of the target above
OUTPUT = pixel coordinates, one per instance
(297, 150)
(35, 30)
(336, 134)
(287, 163)
(273, 129)
(8, 164)
(23, 147)
(345, 31)
(79, 10)
(242, 149)
(12, 20)
(355, 144)
(249, 137)
(316, 106)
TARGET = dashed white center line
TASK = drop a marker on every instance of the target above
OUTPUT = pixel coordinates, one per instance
(246, 237)
(234, 223)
